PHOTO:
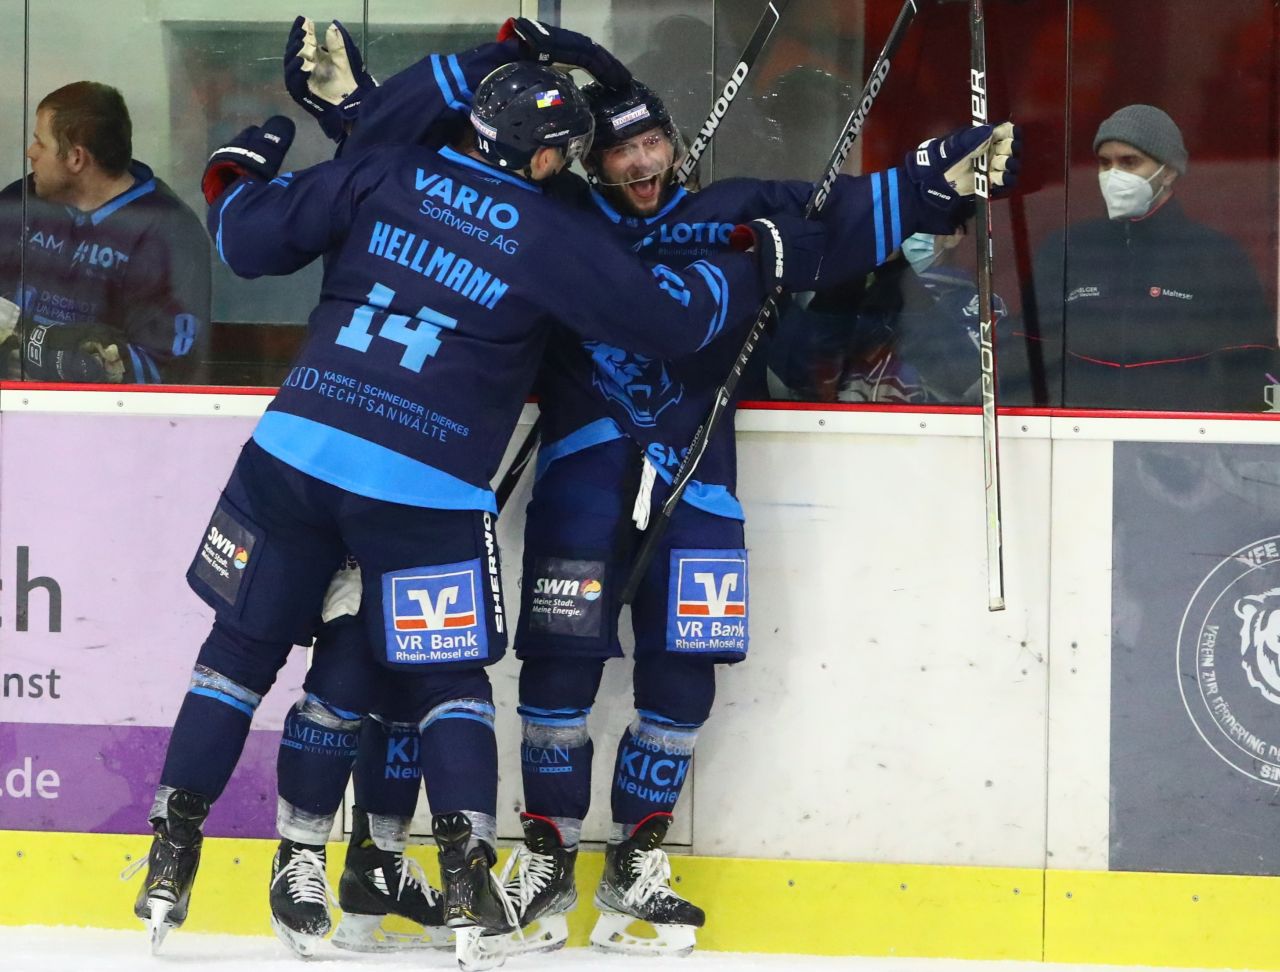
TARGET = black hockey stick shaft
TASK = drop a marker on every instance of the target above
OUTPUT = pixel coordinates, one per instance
(701, 142)
(986, 316)
(524, 453)
(737, 77)
(720, 408)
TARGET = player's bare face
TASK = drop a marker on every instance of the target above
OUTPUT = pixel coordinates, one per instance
(637, 170)
(52, 176)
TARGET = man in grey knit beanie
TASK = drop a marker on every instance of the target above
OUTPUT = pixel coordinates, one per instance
(1147, 309)
(1140, 155)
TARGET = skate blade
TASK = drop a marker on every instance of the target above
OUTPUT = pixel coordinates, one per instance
(476, 951)
(158, 922)
(300, 943)
(545, 934)
(614, 932)
(364, 933)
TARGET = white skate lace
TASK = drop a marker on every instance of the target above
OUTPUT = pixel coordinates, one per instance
(133, 867)
(307, 880)
(652, 870)
(533, 872)
(414, 877)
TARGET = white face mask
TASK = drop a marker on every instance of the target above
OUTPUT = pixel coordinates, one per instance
(1128, 196)
(919, 251)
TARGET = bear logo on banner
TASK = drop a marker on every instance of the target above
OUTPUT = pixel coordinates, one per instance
(1260, 641)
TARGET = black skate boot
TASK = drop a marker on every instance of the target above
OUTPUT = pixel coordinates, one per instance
(300, 896)
(165, 894)
(539, 881)
(377, 883)
(635, 886)
(476, 905)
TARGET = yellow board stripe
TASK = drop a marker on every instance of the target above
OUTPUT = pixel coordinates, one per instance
(803, 907)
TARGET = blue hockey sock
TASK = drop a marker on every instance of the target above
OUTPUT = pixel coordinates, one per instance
(209, 734)
(460, 762)
(389, 768)
(555, 762)
(653, 761)
(317, 748)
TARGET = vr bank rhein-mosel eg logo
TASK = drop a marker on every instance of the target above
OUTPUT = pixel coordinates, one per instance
(1229, 660)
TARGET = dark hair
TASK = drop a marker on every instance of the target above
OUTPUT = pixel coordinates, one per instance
(93, 116)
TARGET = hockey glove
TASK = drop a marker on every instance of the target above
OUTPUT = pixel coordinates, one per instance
(9, 314)
(88, 353)
(555, 45)
(789, 250)
(942, 169)
(257, 152)
(328, 81)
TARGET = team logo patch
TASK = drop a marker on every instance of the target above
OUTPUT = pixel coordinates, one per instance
(549, 99)
(1229, 660)
(707, 602)
(435, 614)
(564, 597)
(225, 553)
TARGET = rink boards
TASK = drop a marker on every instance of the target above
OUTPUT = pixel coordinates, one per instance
(1087, 776)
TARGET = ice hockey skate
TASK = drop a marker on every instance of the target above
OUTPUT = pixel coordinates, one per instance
(476, 905)
(165, 894)
(635, 887)
(539, 880)
(378, 883)
(300, 897)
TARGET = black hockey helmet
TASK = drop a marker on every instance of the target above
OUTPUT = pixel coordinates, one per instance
(621, 113)
(522, 107)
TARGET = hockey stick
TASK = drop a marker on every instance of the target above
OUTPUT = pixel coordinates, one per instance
(724, 394)
(755, 44)
(986, 316)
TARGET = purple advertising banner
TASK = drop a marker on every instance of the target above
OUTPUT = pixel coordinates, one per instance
(99, 519)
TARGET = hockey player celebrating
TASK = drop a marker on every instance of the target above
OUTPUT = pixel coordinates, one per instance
(443, 271)
(598, 402)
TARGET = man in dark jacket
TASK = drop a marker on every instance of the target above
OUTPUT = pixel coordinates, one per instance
(1155, 311)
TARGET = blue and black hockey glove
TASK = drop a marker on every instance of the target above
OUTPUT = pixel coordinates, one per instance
(555, 45)
(942, 169)
(258, 152)
(327, 80)
(86, 353)
(788, 248)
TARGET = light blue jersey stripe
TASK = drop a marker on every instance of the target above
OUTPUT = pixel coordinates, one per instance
(363, 467)
(876, 207)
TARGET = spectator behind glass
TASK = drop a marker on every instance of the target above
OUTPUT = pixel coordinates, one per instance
(1156, 311)
(112, 284)
(909, 335)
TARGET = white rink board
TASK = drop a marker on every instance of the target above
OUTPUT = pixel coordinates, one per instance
(884, 715)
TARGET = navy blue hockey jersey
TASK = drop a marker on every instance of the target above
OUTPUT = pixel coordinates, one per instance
(443, 277)
(138, 265)
(593, 392)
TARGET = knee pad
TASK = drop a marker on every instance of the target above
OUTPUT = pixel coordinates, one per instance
(211, 684)
(474, 710)
(675, 689)
(560, 683)
(312, 708)
(413, 699)
(246, 661)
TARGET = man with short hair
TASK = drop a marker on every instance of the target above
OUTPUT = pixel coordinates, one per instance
(109, 277)
(1149, 309)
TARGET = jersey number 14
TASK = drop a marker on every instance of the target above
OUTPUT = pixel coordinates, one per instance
(419, 334)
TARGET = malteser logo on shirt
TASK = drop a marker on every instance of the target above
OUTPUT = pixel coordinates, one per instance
(1167, 292)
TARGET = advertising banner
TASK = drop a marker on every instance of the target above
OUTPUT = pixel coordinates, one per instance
(99, 518)
(1195, 678)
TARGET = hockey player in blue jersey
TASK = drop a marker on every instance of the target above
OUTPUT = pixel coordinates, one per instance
(598, 400)
(444, 272)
